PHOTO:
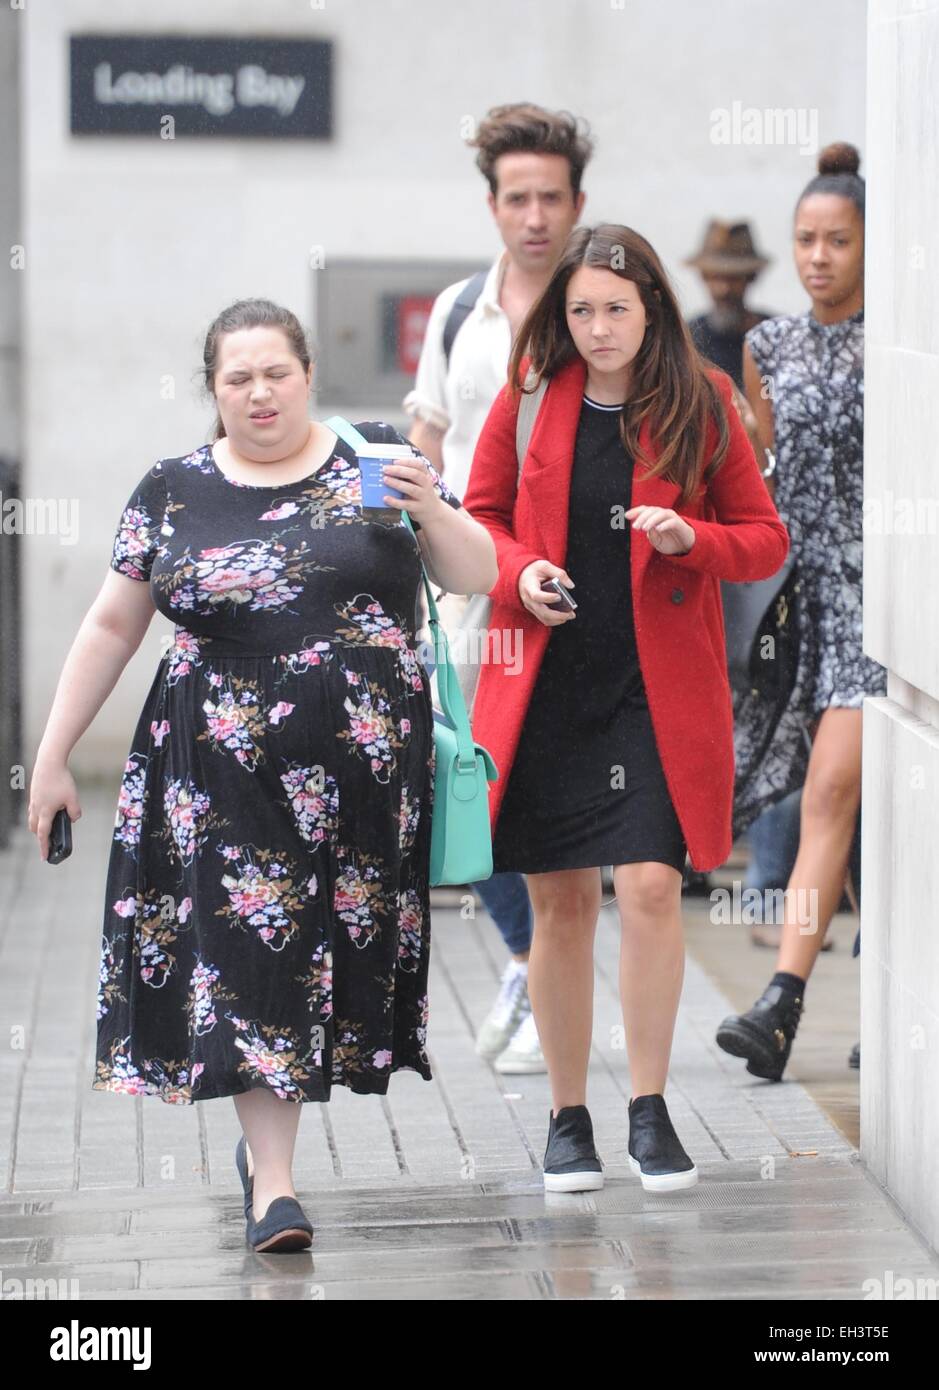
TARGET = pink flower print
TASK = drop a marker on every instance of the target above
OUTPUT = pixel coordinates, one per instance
(278, 513)
(312, 887)
(214, 678)
(218, 552)
(382, 1058)
(367, 725)
(159, 731)
(349, 895)
(231, 584)
(280, 711)
(251, 895)
(126, 907)
(314, 654)
(129, 816)
(405, 726)
(185, 907)
(186, 810)
(183, 655)
(222, 722)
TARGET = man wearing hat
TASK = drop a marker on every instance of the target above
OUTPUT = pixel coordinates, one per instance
(728, 263)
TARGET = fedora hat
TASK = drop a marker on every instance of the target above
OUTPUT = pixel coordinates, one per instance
(728, 249)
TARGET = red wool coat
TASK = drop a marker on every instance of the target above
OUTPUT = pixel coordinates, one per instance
(678, 616)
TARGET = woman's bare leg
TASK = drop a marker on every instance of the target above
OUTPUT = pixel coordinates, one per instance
(651, 968)
(270, 1130)
(830, 800)
(565, 906)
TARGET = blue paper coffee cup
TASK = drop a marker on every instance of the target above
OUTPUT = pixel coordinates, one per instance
(374, 487)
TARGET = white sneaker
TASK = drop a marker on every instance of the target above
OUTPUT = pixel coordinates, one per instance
(506, 1013)
(523, 1053)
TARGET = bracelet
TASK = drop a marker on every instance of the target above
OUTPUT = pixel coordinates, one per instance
(771, 469)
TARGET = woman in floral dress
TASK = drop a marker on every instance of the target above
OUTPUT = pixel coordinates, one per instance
(267, 922)
(804, 376)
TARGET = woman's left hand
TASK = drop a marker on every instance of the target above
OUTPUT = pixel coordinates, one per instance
(667, 531)
(421, 498)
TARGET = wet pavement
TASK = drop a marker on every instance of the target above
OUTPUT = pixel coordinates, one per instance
(433, 1191)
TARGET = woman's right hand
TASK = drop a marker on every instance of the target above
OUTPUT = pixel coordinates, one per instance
(51, 787)
(539, 603)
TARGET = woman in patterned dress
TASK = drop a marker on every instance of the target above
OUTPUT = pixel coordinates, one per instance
(267, 914)
(804, 378)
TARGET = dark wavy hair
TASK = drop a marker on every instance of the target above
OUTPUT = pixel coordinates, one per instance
(671, 385)
(523, 127)
(250, 313)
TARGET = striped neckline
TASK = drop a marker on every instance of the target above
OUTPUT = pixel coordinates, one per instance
(598, 405)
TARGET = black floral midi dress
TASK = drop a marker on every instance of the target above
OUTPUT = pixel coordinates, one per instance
(817, 376)
(267, 914)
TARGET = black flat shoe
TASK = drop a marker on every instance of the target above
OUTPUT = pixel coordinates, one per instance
(764, 1034)
(655, 1151)
(570, 1160)
(854, 1056)
(247, 1182)
(283, 1227)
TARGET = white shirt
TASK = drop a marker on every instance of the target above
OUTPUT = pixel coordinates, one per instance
(457, 399)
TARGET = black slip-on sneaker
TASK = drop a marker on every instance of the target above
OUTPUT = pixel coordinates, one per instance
(570, 1160)
(655, 1151)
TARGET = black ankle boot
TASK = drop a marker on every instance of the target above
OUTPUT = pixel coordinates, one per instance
(570, 1160)
(655, 1151)
(764, 1034)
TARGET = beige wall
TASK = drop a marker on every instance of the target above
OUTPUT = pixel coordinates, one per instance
(135, 244)
(900, 955)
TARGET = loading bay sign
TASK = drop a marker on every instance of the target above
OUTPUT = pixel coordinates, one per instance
(128, 85)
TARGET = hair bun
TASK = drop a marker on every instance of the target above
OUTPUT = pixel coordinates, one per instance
(839, 158)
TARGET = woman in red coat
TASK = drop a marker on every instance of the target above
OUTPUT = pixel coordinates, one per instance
(611, 724)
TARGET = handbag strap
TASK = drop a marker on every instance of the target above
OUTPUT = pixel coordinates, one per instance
(528, 408)
(448, 685)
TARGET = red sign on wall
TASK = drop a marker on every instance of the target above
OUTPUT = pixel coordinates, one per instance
(413, 311)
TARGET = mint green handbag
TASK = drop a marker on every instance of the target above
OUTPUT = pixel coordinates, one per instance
(461, 836)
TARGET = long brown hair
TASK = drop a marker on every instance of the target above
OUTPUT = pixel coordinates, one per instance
(670, 386)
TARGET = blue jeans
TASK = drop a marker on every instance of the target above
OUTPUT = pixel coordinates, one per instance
(774, 843)
(505, 896)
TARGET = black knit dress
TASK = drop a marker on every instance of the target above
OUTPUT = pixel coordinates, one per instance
(587, 787)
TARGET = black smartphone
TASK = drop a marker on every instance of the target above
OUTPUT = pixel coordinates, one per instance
(567, 601)
(60, 837)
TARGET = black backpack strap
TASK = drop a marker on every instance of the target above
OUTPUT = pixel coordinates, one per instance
(461, 308)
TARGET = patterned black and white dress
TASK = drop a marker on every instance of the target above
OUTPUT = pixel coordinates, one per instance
(267, 912)
(816, 376)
